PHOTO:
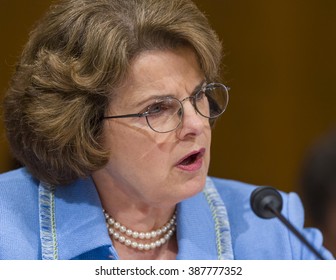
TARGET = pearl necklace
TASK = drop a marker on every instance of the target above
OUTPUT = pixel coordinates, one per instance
(123, 234)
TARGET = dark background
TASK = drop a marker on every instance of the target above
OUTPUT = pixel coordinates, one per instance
(280, 60)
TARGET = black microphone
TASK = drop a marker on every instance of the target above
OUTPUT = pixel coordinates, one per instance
(266, 203)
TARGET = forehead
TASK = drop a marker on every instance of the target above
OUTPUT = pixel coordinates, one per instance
(163, 62)
(167, 70)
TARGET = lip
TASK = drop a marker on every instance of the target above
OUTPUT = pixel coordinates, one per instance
(195, 165)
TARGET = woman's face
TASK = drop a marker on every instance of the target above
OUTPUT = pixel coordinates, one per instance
(146, 167)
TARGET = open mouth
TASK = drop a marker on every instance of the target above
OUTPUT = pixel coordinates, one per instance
(192, 161)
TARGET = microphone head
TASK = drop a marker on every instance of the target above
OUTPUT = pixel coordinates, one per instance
(263, 199)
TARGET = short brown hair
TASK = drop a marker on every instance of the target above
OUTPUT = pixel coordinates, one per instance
(76, 55)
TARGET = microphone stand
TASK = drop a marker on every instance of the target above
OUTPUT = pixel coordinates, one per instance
(293, 229)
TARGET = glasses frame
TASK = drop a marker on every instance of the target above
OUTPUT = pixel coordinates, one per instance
(193, 102)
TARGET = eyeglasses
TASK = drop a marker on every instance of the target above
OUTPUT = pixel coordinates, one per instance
(166, 113)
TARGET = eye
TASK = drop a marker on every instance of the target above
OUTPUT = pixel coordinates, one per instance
(157, 108)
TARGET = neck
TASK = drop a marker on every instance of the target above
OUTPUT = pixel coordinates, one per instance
(138, 216)
(134, 213)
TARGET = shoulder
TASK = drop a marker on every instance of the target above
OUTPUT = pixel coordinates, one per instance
(19, 220)
(235, 193)
(18, 184)
(247, 229)
(20, 174)
(236, 189)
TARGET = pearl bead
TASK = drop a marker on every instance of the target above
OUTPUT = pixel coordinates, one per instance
(116, 230)
(148, 235)
(117, 225)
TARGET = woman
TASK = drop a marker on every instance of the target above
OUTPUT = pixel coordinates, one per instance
(110, 111)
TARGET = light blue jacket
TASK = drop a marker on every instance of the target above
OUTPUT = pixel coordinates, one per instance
(42, 222)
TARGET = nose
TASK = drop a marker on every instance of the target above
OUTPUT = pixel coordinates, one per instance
(192, 123)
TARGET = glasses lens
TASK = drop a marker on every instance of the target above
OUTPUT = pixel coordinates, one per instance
(212, 101)
(165, 115)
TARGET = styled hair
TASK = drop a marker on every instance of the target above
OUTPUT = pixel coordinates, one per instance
(76, 55)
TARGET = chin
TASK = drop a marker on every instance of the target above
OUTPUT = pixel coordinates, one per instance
(193, 186)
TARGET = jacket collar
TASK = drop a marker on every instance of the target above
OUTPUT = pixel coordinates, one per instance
(73, 223)
(80, 222)
(203, 229)
(195, 231)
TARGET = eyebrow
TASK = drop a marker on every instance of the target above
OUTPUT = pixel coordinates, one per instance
(155, 97)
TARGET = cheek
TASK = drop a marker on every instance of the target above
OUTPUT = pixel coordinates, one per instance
(155, 152)
(136, 146)
(207, 131)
